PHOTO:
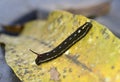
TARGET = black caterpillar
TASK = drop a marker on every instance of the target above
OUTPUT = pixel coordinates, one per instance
(65, 45)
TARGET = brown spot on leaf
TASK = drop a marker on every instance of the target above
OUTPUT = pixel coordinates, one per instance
(54, 74)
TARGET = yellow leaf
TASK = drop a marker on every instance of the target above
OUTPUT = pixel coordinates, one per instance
(95, 58)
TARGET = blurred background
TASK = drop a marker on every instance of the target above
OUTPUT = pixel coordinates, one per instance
(14, 13)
